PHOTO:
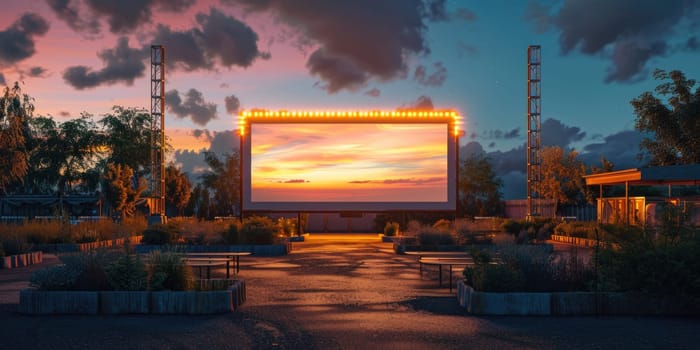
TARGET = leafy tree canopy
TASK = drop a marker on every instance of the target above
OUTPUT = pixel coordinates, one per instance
(479, 188)
(16, 109)
(674, 125)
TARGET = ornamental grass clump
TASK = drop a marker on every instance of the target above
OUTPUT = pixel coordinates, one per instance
(81, 271)
(168, 271)
(391, 229)
(523, 268)
(127, 273)
(258, 230)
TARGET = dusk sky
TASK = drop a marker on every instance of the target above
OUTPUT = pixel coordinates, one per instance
(226, 55)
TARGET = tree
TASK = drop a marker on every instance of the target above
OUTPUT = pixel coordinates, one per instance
(122, 190)
(128, 138)
(223, 179)
(16, 109)
(63, 155)
(479, 188)
(177, 188)
(562, 176)
(675, 126)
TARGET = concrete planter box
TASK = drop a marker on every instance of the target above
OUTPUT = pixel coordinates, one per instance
(22, 260)
(191, 303)
(83, 247)
(37, 302)
(570, 303)
(124, 302)
(388, 239)
(257, 250)
(301, 238)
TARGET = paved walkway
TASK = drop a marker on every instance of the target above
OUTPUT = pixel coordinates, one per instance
(340, 292)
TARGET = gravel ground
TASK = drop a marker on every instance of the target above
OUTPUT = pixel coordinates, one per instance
(335, 292)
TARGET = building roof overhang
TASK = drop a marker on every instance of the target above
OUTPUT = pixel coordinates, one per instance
(667, 175)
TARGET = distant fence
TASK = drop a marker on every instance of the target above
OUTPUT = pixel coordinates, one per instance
(517, 209)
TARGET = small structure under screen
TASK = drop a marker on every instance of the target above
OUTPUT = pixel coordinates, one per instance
(349, 161)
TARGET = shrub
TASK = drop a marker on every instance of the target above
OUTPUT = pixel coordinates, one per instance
(168, 271)
(527, 269)
(391, 229)
(652, 266)
(287, 226)
(128, 272)
(524, 231)
(232, 235)
(14, 246)
(431, 236)
(81, 271)
(442, 225)
(580, 229)
(258, 230)
(159, 234)
(59, 277)
(92, 266)
(494, 278)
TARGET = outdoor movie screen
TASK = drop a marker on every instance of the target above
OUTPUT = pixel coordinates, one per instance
(349, 167)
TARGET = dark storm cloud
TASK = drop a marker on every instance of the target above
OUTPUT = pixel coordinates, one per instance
(374, 92)
(219, 38)
(471, 149)
(194, 106)
(507, 161)
(500, 134)
(350, 54)
(232, 104)
(192, 162)
(556, 133)
(437, 78)
(17, 41)
(122, 64)
(630, 58)
(423, 102)
(692, 44)
(69, 11)
(224, 142)
(122, 16)
(221, 143)
(36, 71)
(627, 32)
(338, 72)
(620, 148)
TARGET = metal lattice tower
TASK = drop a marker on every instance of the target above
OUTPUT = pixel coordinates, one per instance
(534, 131)
(157, 185)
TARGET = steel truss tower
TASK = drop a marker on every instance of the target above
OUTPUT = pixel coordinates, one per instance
(157, 185)
(534, 131)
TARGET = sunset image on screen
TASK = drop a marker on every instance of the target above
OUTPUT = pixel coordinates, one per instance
(319, 162)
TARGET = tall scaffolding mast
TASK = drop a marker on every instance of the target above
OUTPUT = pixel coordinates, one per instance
(157, 185)
(534, 131)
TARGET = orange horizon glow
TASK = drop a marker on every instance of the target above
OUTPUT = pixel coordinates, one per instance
(358, 162)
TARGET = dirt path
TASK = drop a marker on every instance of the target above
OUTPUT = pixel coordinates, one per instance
(341, 292)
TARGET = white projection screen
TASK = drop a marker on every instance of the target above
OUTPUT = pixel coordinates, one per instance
(331, 164)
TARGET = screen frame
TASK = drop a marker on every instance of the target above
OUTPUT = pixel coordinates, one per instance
(448, 118)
